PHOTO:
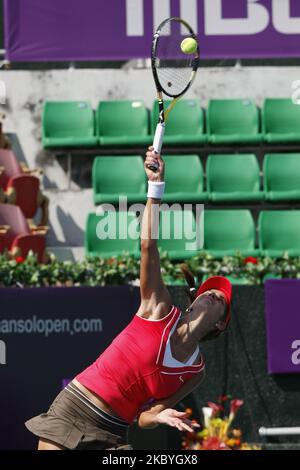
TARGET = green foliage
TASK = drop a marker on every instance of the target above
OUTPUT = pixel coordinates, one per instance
(125, 270)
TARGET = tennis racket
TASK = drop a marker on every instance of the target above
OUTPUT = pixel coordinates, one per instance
(173, 70)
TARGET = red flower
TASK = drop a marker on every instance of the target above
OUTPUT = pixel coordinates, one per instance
(215, 408)
(214, 443)
(222, 398)
(235, 405)
(20, 259)
(250, 259)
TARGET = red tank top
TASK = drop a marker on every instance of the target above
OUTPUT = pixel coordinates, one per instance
(130, 372)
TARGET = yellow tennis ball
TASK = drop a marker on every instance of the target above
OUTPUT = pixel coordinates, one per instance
(189, 46)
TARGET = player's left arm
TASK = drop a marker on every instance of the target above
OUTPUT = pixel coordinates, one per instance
(162, 412)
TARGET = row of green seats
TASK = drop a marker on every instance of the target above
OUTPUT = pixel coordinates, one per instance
(223, 232)
(229, 178)
(126, 123)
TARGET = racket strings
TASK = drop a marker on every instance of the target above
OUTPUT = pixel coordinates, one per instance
(173, 67)
(174, 81)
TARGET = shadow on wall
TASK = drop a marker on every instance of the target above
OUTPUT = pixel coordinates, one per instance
(72, 233)
(49, 184)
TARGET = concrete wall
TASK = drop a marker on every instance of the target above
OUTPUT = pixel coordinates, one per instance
(27, 90)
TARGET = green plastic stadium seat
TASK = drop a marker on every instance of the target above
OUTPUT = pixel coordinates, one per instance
(68, 124)
(227, 232)
(177, 234)
(233, 178)
(123, 123)
(184, 179)
(119, 176)
(107, 235)
(233, 122)
(269, 276)
(185, 125)
(282, 176)
(281, 121)
(279, 233)
(171, 281)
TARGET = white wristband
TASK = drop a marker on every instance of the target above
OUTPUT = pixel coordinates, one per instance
(156, 189)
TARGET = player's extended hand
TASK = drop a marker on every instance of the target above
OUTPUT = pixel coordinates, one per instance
(176, 419)
(155, 159)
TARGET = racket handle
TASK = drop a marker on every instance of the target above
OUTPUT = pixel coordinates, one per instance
(158, 141)
(159, 137)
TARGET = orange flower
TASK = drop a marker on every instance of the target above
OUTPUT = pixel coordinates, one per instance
(236, 433)
(189, 412)
(233, 442)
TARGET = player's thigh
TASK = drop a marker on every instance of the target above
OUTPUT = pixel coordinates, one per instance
(44, 444)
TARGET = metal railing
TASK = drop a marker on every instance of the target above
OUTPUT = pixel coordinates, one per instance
(288, 431)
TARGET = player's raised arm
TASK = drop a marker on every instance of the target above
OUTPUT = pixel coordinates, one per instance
(155, 298)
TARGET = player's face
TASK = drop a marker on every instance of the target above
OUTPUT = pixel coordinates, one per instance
(210, 307)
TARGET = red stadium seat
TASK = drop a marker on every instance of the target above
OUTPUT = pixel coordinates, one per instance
(26, 243)
(3, 239)
(12, 217)
(21, 186)
(10, 167)
(25, 189)
(18, 237)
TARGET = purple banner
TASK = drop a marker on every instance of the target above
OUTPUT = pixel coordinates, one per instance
(47, 336)
(88, 30)
(283, 325)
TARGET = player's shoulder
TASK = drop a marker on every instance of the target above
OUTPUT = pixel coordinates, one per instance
(156, 312)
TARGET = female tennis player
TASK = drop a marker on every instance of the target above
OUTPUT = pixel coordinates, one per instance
(149, 367)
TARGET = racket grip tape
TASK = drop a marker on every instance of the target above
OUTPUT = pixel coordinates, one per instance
(158, 141)
(159, 137)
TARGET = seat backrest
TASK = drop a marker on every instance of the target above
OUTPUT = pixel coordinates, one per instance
(279, 230)
(111, 232)
(230, 173)
(232, 117)
(185, 118)
(183, 173)
(122, 118)
(34, 243)
(68, 119)
(26, 188)
(12, 215)
(281, 115)
(177, 228)
(11, 167)
(282, 171)
(120, 174)
(229, 229)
